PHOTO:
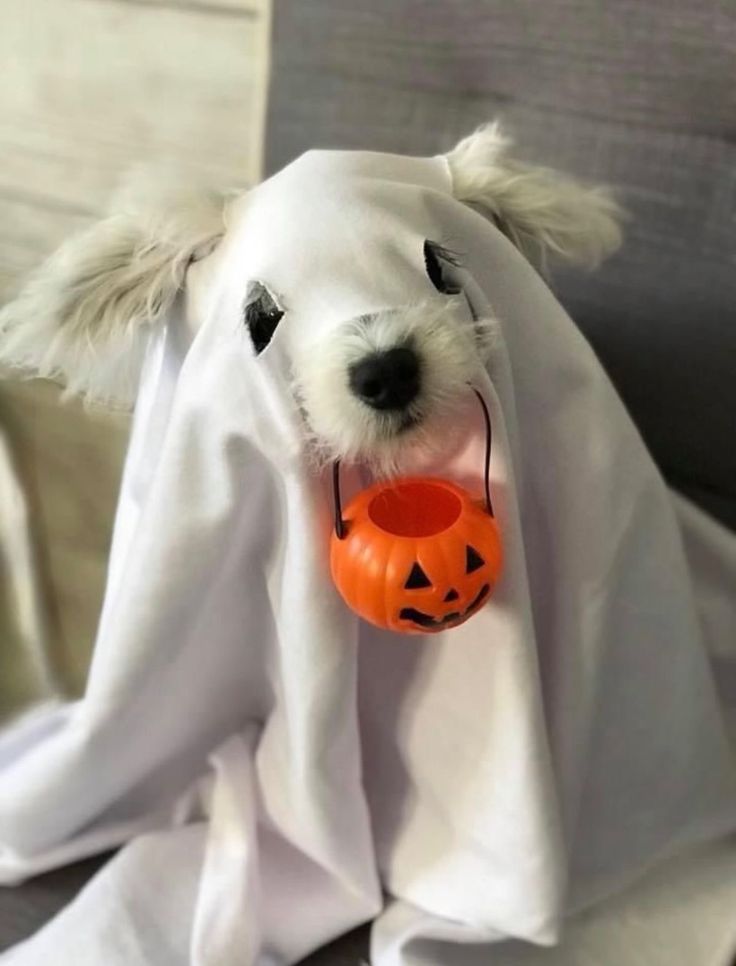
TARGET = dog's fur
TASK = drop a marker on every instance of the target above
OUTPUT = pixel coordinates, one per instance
(341, 426)
(84, 318)
(539, 209)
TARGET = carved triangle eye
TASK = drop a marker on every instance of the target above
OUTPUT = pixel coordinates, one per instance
(473, 560)
(417, 579)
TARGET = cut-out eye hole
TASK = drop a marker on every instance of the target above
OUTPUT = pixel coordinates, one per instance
(473, 560)
(417, 579)
(261, 315)
(434, 257)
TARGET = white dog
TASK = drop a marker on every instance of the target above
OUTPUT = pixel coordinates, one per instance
(491, 784)
(371, 385)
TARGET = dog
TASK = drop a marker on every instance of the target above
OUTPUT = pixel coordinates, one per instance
(372, 386)
(494, 782)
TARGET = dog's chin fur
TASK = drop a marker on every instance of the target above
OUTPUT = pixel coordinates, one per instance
(452, 351)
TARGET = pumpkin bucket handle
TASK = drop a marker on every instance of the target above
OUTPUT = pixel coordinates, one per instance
(340, 528)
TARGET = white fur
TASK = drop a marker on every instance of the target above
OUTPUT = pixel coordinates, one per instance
(451, 351)
(539, 209)
(84, 317)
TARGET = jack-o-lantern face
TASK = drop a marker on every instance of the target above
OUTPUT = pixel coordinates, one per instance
(418, 556)
(419, 580)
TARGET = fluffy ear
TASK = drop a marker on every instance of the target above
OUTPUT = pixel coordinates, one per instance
(84, 318)
(539, 209)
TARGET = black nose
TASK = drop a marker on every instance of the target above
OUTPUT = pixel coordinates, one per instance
(387, 380)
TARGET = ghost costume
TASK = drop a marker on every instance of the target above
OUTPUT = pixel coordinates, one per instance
(550, 783)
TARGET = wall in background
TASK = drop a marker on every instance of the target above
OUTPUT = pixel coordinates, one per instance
(91, 87)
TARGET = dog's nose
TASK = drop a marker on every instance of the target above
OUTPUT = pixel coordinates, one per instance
(387, 380)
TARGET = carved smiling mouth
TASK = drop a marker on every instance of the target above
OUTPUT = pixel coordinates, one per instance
(426, 620)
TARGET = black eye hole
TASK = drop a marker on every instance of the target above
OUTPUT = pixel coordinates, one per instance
(417, 579)
(436, 260)
(261, 315)
(473, 560)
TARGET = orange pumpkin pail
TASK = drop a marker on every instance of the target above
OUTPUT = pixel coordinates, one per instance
(416, 555)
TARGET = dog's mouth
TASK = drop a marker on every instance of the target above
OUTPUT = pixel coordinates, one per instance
(454, 617)
(399, 424)
(407, 422)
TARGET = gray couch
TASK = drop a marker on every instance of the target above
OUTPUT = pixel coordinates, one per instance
(640, 95)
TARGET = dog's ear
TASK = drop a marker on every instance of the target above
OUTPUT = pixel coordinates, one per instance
(539, 209)
(84, 318)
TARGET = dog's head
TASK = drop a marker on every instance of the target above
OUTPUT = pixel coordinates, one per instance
(346, 273)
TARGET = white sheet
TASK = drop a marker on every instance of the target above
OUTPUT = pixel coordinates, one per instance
(282, 771)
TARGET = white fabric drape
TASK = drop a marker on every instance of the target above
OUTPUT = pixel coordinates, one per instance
(282, 772)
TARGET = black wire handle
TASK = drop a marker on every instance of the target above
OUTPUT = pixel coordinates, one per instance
(489, 441)
(339, 522)
(341, 529)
